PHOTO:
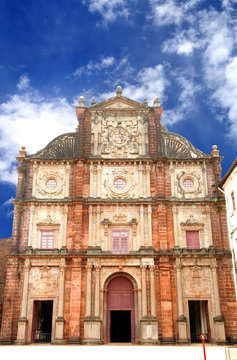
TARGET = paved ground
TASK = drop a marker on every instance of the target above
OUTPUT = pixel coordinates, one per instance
(113, 352)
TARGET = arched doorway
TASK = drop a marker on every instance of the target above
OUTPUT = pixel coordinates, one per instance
(120, 311)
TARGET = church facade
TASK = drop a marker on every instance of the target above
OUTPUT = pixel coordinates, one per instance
(119, 235)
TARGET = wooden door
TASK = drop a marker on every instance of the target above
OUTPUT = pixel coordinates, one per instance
(120, 297)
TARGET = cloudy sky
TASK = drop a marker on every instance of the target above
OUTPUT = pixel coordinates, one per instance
(52, 52)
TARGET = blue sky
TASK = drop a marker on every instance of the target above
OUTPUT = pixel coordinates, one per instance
(52, 52)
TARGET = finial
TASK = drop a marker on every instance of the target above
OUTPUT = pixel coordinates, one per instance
(156, 101)
(119, 91)
(81, 101)
(22, 152)
(93, 101)
(145, 102)
(215, 152)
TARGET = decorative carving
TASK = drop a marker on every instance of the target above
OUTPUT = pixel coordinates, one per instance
(63, 146)
(176, 146)
(191, 221)
(42, 181)
(196, 179)
(117, 173)
(120, 217)
(119, 137)
(196, 286)
(44, 282)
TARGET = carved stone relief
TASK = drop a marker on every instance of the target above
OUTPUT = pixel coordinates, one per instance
(44, 178)
(193, 177)
(197, 282)
(119, 136)
(188, 180)
(126, 176)
(43, 281)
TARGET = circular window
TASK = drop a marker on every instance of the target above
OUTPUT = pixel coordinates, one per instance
(120, 184)
(51, 184)
(188, 184)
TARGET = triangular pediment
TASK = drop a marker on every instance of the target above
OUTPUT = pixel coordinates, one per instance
(118, 103)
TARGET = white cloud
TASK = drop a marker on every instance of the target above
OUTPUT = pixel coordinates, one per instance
(167, 12)
(32, 121)
(183, 43)
(149, 83)
(109, 9)
(104, 63)
(220, 65)
(24, 82)
(214, 34)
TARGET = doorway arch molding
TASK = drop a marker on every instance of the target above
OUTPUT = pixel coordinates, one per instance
(134, 280)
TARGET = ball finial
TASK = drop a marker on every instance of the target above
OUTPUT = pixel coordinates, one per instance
(119, 91)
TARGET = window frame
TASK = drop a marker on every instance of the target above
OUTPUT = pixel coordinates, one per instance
(47, 231)
(197, 232)
(120, 241)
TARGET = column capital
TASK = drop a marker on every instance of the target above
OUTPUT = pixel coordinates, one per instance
(27, 265)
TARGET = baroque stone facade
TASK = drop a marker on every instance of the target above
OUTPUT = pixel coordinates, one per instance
(117, 236)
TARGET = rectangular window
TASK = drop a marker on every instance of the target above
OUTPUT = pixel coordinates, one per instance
(233, 200)
(192, 238)
(120, 242)
(47, 239)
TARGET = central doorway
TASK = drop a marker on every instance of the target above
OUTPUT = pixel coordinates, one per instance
(42, 321)
(199, 320)
(120, 326)
(120, 311)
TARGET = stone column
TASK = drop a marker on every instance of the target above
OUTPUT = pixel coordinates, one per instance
(152, 291)
(142, 225)
(140, 180)
(90, 225)
(148, 181)
(32, 210)
(95, 182)
(149, 324)
(88, 290)
(92, 325)
(64, 239)
(176, 240)
(22, 322)
(149, 211)
(99, 180)
(60, 319)
(92, 180)
(97, 291)
(144, 292)
(93, 220)
(182, 321)
(219, 324)
(97, 226)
